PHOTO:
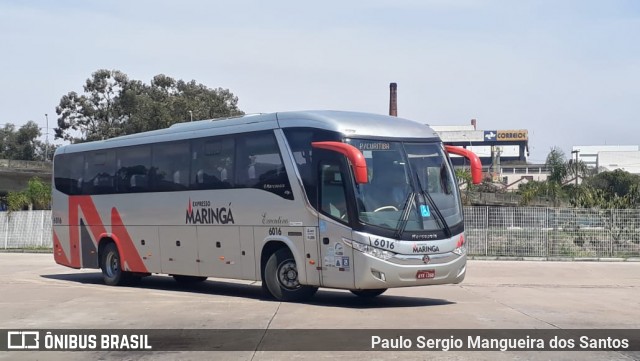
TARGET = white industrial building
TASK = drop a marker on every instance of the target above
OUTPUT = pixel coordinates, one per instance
(626, 160)
(589, 153)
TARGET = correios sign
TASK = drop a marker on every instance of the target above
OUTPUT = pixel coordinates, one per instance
(511, 135)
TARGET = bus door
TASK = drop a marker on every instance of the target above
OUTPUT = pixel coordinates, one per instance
(335, 257)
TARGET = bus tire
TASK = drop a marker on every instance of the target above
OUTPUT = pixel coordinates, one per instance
(281, 278)
(189, 279)
(111, 265)
(368, 293)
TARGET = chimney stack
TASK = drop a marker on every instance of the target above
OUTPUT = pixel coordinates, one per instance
(393, 99)
(473, 122)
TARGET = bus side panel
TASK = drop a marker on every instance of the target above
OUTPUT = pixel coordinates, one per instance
(85, 227)
(179, 250)
(247, 245)
(219, 252)
(61, 249)
(66, 252)
(311, 249)
(129, 252)
(87, 248)
(145, 244)
(60, 229)
(80, 227)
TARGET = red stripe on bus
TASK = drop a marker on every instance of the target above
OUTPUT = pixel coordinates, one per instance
(128, 252)
(92, 221)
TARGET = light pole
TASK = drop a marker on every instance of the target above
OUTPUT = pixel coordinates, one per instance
(46, 135)
(576, 163)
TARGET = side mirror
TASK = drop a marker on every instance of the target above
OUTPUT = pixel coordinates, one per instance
(358, 163)
(476, 165)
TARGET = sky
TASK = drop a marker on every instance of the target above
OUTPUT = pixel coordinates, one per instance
(567, 71)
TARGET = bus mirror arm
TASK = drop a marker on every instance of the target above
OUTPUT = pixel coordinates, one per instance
(352, 153)
(476, 165)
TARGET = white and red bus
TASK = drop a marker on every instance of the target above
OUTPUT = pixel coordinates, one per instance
(297, 200)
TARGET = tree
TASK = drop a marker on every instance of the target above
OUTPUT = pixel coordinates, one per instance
(555, 187)
(21, 144)
(615, 189)
(36, 196)
(167, 101)
(96, 114)
(552, 188)
(464, 177)
(606, 190)
(115, 105)
(558, 166)
(530, 190)
(614, 182)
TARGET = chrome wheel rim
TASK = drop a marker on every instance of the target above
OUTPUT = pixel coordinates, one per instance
(112, 265)
(288, 274)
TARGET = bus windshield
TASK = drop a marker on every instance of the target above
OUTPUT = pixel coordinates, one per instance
(411, 187)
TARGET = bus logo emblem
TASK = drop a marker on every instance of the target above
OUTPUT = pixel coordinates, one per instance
(201, 212)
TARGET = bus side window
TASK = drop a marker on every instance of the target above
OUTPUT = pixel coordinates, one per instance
(99, 172)
(133, 164)
(260, 164)
(170, 166)
(212, 163)
(68, 173)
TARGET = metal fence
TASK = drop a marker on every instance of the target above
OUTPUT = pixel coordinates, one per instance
(490, 231)
(29, 229)
(552, 232)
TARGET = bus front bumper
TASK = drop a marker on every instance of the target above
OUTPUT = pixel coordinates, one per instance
(375, 273)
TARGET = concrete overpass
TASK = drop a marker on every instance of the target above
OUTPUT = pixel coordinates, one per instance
(15, 174)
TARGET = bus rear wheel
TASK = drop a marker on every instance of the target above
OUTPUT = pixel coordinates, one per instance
(368, 293)
(189, 279)
(281, 278)
(111, 265)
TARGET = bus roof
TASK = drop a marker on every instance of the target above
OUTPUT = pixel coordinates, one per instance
(351, 124)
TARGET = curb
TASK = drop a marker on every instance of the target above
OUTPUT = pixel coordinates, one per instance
(554, 259)
(25, 250)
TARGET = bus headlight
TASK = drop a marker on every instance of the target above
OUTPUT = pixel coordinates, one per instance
(461, 247)
(370, 250)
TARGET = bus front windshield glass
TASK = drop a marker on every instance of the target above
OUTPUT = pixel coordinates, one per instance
(411, 187)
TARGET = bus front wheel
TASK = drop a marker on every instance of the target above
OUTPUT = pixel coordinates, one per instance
(368, 293)
(281, 278)
(111, 265)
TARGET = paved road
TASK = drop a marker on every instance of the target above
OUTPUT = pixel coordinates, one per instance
(37, 293)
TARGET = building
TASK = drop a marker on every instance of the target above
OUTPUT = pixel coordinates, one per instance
(494, 147)
(512, 176)
(628, 161)
(589, 153)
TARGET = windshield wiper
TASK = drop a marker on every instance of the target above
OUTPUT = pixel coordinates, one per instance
(439, 217)
(404, 217)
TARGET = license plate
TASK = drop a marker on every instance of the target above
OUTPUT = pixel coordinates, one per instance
(425, 274)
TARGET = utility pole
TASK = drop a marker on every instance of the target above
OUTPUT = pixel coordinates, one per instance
(576, 163)
(46, 142)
